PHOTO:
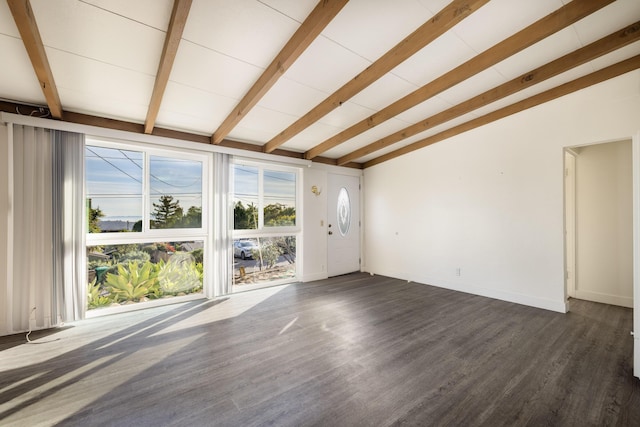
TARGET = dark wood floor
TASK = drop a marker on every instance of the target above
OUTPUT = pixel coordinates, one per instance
(350, 351)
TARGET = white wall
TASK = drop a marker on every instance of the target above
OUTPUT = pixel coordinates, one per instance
(490, 201)
(314, 231)
(4, 210)
(604, 224)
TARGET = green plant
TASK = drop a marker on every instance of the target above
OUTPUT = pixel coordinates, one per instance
(150, 248)
(118, 251)
(166, 212)
(267, 253)
(198, 255)
(179, 275)
(135, 255)
(95, 298)
(132, 282)
(93, 217)
(287, 247)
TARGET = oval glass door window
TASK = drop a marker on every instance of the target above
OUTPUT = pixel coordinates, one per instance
(344, 211)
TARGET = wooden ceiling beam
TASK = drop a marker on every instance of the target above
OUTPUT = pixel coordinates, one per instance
(310, 29)
(550, 24)
(26, 23)
(440, 23)
(580, 56)
(172, 41)
(600, 76)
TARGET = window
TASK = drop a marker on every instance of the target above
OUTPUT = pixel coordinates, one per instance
(114, 188)
(146, 227)
(176, 193)
(279, 207)
(343, 211)
(245, 197)
(266, 227)
(263, 197)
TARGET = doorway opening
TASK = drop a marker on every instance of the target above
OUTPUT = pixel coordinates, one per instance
(599, 223)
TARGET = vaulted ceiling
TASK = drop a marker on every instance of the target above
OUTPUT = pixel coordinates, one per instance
(344, 82)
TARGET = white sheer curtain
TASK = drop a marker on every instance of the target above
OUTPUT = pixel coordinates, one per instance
(222, 223)
(69, 269)
(43, 274)
(30, 286)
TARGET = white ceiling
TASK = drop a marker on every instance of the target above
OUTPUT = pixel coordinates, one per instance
(104, 55)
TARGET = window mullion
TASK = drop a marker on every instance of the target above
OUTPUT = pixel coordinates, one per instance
(146, 226)
(261, 198)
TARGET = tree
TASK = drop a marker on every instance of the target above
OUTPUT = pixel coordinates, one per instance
(287, 247)
(166, 213)
(267, 253)
(94, 219)
(193, 218)
(277, 214)
(245, 218)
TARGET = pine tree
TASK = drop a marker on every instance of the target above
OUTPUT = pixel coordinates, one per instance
(166, 213)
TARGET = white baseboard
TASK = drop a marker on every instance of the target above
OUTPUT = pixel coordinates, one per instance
(559, 306)
(315, 276)
(528, 300)
(605, 298)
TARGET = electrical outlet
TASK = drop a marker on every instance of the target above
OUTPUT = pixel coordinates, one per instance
(458, 271)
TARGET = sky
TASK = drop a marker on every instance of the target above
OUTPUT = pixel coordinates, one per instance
(114, 180)
(279, 187)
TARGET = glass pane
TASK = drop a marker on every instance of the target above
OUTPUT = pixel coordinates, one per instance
(279, 198)
(176, 193)
(262, 260)
(126, 274)
(344, 212)
(114, 189)
(245, 197)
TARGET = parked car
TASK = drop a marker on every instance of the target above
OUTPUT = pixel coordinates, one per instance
(243, 249)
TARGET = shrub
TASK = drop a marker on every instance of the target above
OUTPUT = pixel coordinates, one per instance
(198, 255)
(179, 275)
(132, 282)
(267, 254)
(95, 297)
(135, 255)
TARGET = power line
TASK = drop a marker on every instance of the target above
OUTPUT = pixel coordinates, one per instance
(116, 167)
(159, 179)
(266, 173)
(105, 159)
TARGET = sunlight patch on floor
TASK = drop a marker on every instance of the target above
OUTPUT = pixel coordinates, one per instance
(224, 308)
(40, 404)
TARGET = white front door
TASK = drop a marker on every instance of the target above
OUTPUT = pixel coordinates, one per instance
(343, 226)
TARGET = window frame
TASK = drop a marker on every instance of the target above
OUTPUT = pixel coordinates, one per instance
(148, 234)
(268, 232)
(262, 230)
